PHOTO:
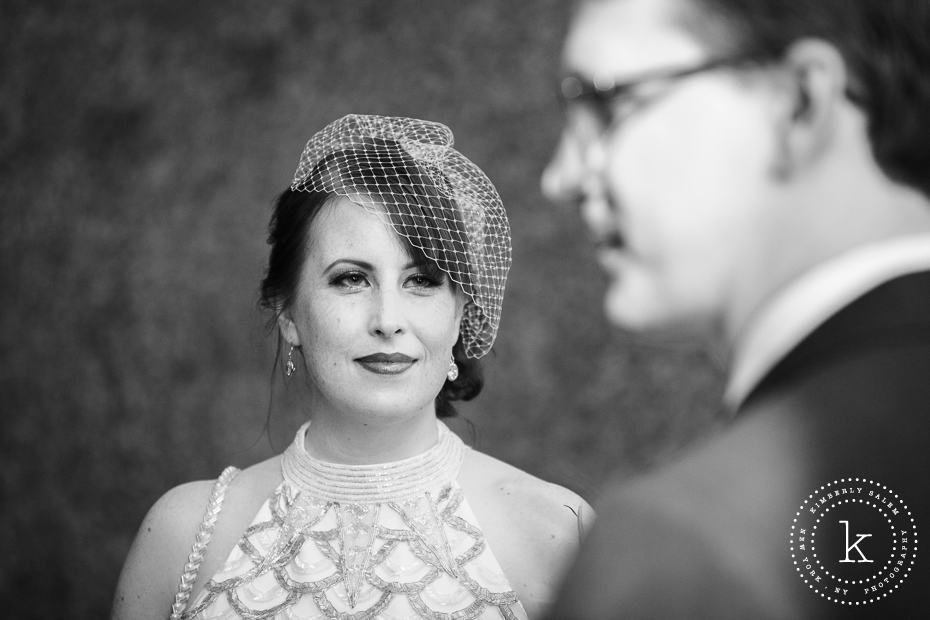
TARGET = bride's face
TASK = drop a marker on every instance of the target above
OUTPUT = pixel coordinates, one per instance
(376, 330)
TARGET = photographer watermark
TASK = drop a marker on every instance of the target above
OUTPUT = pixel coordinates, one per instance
(853, 541)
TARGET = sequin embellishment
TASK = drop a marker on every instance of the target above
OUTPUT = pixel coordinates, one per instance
(317, 549)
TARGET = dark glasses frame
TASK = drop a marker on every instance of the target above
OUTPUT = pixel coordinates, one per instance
(603, 96)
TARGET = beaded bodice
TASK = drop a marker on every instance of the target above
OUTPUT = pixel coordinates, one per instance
(393, 540)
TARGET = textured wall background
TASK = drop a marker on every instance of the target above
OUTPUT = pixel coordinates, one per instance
(141, 144)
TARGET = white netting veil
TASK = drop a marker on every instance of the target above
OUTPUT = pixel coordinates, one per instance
(431, 194)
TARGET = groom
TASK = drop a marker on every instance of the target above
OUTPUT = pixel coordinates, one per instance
(760, 171)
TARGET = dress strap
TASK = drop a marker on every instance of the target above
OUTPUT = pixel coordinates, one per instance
(192, 568)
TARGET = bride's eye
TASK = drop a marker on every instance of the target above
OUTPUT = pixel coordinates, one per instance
(349, 279)
(424, 280)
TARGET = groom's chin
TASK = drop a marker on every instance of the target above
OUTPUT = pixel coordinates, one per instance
(635, 312)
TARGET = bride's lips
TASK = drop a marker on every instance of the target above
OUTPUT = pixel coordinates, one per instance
(386, 363)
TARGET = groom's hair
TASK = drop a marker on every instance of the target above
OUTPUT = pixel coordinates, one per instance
(884, 44)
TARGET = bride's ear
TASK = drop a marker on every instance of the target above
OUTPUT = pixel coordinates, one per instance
(461, 302)
(287, 328)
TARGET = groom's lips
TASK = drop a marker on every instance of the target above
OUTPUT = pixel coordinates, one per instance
(610, 241)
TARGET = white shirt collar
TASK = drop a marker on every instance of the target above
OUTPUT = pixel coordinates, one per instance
(801, 306)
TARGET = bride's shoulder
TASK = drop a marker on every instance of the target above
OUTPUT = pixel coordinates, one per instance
(525, 496)
(184, 506)
(160, 550)
(533, 526)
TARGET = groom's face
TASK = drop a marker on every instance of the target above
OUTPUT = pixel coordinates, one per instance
(666, 179)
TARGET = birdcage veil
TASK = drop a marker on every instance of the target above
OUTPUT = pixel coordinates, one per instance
(444, 205)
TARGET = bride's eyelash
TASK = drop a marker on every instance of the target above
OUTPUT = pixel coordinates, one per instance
(429, 280)
(428, 275)
(430, 271)
(343, 278)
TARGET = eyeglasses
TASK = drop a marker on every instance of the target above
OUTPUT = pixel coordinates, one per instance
(606, 104)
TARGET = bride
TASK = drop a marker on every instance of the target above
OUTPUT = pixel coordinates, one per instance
(389, 254)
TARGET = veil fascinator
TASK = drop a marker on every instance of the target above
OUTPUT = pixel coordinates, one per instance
(407, 171)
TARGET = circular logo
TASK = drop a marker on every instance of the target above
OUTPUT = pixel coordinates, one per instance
(853, 541)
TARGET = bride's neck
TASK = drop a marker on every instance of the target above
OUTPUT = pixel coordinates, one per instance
(342, 439)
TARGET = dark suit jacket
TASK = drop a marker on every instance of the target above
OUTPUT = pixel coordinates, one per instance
(707, 535)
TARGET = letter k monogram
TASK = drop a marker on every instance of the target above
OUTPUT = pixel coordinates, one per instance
(855, 545)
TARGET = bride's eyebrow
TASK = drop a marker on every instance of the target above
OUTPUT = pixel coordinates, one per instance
(351, 261)
(369, 267)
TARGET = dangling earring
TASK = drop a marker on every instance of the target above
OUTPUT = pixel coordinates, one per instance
(453, 373)
(290, 366)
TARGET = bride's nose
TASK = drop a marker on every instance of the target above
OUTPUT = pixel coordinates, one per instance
(387, 313)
